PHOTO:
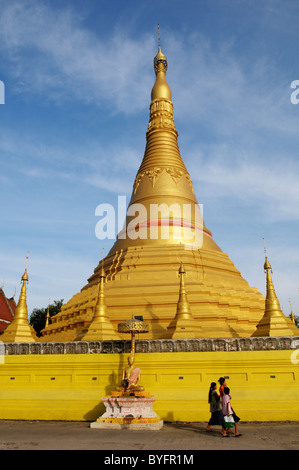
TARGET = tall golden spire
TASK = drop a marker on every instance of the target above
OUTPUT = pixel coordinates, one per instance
(100, 328)
(20, 330)
(183, 325)
(274, 322)
(163, 182)
(292, 316)
(48, 316)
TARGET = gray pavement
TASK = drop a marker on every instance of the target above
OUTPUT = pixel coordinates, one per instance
(173, 437)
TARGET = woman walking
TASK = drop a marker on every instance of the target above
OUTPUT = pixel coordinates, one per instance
(215, 409)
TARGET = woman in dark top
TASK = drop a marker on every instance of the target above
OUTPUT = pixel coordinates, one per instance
(215, 409)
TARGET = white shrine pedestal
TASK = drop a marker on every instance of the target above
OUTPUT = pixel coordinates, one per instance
(128, 412)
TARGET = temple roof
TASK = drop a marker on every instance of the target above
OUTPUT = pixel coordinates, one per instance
(7, 310)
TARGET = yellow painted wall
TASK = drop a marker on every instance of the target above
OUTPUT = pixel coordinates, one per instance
(264, 384)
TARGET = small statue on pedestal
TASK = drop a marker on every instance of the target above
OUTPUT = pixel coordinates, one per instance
(129, 406)
(130, 377)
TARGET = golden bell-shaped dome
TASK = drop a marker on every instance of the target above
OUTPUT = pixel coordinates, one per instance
(161, 88)
(160, 57)
(25, 276)
(267, 265)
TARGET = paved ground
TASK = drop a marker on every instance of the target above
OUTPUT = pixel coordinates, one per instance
(173, 437)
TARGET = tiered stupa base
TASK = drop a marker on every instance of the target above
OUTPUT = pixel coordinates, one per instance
(145, 282)
(127, 410)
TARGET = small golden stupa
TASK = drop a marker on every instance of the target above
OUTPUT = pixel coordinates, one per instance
(141, 268)
(274, 322)
(20, 330)
(100, 328)
(183, 325)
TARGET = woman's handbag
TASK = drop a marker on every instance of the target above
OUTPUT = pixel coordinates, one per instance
(236, 418)
(228, 421)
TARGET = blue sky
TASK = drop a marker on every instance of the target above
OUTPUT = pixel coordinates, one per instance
(78, 77)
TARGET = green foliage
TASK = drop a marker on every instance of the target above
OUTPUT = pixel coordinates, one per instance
(296, 318)
(38, 316)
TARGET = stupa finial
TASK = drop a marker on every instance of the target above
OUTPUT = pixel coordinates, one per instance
(159, 45)
(160, 58)
(25, 275)
(265, 248)
(267, 265)
(102, 272)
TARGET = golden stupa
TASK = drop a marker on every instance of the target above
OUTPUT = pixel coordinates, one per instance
(100, 327)
(20, 330)
(274, 322)
(142, 275)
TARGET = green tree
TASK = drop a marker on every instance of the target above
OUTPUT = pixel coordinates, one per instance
(38, 316)
(296, 319)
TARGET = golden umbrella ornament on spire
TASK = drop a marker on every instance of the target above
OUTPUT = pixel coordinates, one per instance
(133, 326)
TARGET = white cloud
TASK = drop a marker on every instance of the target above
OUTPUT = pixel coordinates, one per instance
(251, 179)
(230, 94)
(53, 53)
(111, 167)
